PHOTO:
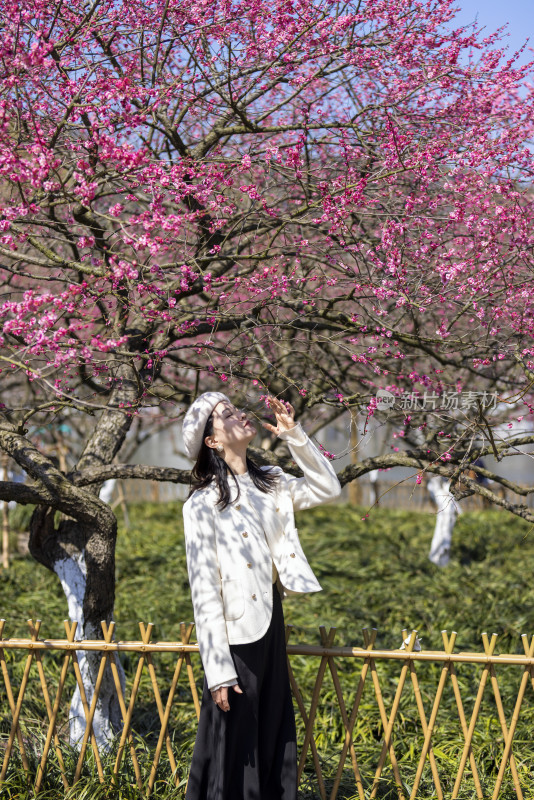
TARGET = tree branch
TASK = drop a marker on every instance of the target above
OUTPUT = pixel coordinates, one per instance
(21, 493)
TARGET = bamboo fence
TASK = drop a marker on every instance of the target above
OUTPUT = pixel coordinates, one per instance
(382, 693)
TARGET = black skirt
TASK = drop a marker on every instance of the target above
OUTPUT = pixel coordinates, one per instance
(250, 751)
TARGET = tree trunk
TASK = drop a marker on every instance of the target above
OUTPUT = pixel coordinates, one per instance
(355, 492)
(80, 550)
(83, 558)
(446, 515)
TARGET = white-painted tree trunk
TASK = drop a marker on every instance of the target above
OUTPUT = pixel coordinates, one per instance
(107, 721)
(446, 515)
(106, 492)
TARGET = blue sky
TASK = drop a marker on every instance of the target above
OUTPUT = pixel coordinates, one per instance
(494, 13)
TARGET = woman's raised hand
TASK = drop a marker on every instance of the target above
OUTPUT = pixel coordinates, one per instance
(284, 413)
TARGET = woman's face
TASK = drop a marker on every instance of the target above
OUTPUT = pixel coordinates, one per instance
(231, 428)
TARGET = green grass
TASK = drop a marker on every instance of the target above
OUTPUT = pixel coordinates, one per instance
(374, 573)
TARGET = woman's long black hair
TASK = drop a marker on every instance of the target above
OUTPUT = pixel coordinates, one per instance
(210, 466)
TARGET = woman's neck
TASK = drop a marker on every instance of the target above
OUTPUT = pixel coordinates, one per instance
(237, 462)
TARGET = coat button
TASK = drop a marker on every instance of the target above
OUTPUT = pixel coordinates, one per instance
(245, 534)
(238, 508)
(253, 596)
(249, 565)
(292, 555)
(278, 509)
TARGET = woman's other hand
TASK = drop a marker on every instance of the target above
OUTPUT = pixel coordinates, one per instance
(284, 413)
(220, 696)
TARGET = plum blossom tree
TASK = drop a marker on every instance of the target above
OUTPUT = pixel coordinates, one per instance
(317, 199)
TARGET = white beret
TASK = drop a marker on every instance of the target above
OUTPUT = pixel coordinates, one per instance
(195, 421)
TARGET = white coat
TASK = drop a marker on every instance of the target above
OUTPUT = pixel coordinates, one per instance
(230, 572)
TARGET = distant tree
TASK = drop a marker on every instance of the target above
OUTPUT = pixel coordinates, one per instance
(315, 199)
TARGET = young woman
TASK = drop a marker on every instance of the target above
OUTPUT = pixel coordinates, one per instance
(243, 551)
